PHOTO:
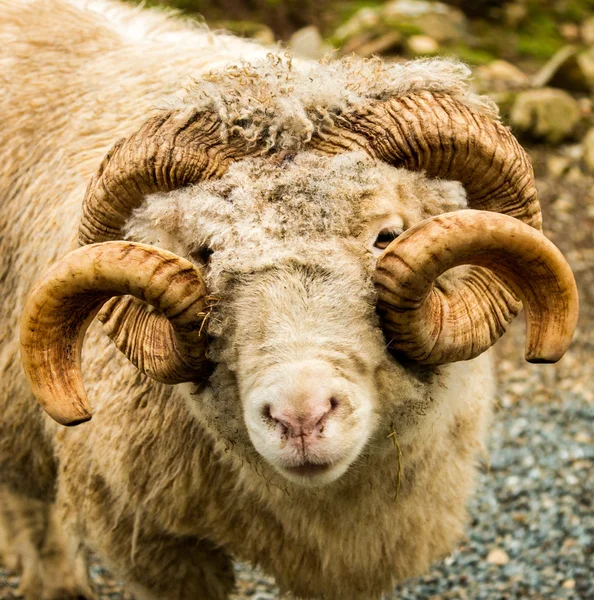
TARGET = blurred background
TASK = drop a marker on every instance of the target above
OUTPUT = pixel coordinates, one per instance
(531, 535)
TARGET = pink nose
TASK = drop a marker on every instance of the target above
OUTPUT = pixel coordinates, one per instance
(304, 421)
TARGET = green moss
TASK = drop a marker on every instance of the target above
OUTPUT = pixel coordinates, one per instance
(536, 47)
(407, 29)
(539, 37)
(343, 11)
(573, 10)
(472, 56)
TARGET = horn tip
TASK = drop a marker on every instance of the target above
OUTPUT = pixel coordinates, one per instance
(76, 421)
(544, 357)
(542, 360)
(69, 418)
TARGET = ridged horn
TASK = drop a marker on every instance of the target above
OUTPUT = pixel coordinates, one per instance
(440, 135)
(171, 150)
(63, 303)
(428, 320)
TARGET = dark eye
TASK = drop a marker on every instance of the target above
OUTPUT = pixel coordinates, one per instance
(384, 237)
(201, 255)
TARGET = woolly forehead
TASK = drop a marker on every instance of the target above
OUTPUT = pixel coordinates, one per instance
(308, 198)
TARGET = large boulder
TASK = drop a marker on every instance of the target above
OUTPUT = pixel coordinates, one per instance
(545, 114)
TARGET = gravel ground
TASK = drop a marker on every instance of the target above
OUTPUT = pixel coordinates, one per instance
(531, 535)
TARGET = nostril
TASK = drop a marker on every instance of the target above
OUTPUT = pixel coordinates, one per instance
(266, 414)
(334, 403)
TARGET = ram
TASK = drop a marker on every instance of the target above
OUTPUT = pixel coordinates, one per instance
(286, 276)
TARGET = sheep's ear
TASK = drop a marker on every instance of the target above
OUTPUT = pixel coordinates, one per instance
(444, 323)
(168, 344)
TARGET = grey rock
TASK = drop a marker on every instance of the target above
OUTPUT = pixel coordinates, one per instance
(546, 114)
(362, 22)
(435, 20)
(422, 45)
(587, 31)
(514, 13)
(500, 76)
(439, 21)
(383, 44)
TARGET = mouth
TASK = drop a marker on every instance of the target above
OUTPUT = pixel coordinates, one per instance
(309, 469)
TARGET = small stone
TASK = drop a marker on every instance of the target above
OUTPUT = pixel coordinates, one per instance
(587, 31)
(585, 106)
(570, 31)
(437, 20)
(363, 21)
(422, 45)
(514, 13)
(588, 146)
(381, 45)
(497, 556)
(500, 76)
(568, 584)
(558, 165)
(264, 35)
(581, 437)
(586, 63)
(308, 42)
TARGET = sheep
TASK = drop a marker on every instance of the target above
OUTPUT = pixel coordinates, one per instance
(301, 396)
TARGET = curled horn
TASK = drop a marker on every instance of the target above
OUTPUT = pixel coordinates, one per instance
(64, 302)
(445, 138)
(425, 317)
(171, 150)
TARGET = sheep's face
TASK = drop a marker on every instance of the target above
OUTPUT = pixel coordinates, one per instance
(288, 250)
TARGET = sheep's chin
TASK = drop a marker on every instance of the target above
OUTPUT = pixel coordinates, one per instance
(315, 478)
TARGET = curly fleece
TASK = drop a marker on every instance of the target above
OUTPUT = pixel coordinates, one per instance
(284, 102)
